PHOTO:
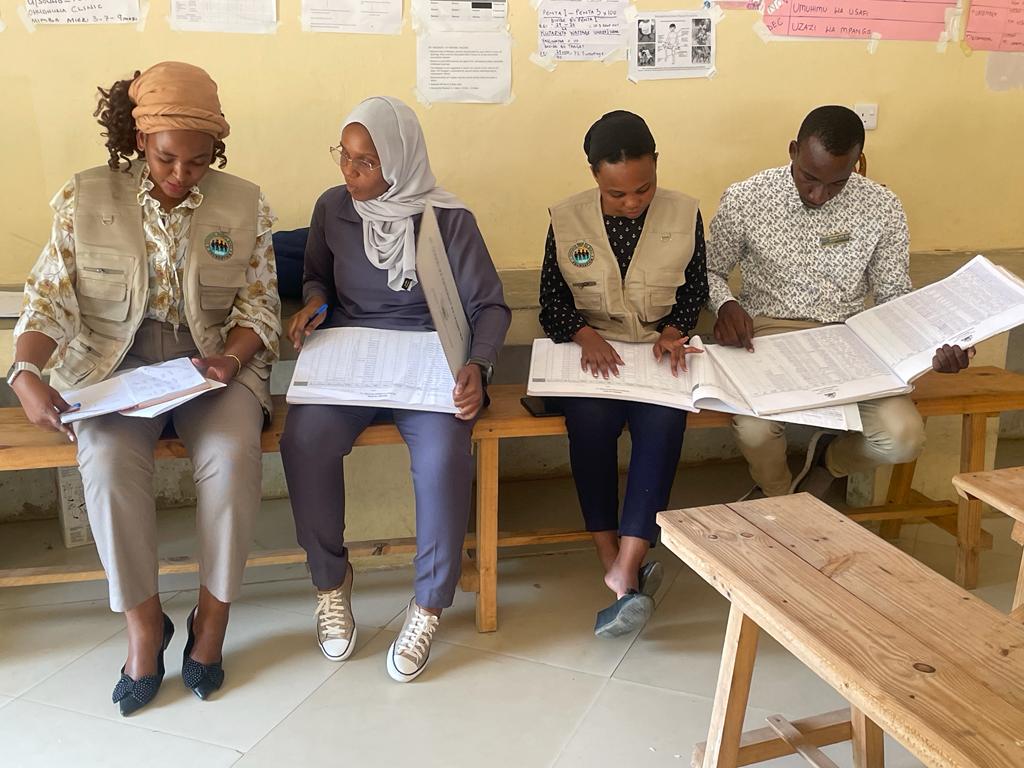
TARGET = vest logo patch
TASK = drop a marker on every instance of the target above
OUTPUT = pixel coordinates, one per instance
(581, 254)
(219, 245)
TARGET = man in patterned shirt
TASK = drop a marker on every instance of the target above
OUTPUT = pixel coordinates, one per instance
(812, 240)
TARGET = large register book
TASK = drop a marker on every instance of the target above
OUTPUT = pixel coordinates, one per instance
(412, 370)
(791, 376)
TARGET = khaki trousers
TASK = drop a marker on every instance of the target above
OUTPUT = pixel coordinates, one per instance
(222, 434)
(893, 433)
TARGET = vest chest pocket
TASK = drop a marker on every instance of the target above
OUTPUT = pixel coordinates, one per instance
(660, 288)
(219, 284)
(79, 361)
(588, 297)
(103, 285)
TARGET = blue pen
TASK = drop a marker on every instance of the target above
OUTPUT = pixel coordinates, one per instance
(320, 311)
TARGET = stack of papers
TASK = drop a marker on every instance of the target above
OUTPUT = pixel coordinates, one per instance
(143, 392)
(373, 367)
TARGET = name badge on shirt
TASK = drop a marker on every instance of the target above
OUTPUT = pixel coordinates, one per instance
(836, 238)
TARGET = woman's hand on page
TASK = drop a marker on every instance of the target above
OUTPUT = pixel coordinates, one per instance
(42, 404)
(305, 321)
(469, 392)
(222, 368)
(598, 356)
(672, 344)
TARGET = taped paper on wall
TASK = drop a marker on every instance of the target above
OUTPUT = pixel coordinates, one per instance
(671, 44)
(75, 12)
(580, 30)
(250, 16)
(995, 25)
(369, 17)
(460, 15)
(469, 68)
(858, 19)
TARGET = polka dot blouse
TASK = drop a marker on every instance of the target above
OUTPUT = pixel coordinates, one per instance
(558, 314)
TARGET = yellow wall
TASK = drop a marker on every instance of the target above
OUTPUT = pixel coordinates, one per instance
(947, 145)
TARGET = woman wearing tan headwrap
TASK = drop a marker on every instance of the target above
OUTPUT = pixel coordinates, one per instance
(153, 257)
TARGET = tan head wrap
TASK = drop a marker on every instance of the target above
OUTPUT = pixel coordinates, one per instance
(172, 96)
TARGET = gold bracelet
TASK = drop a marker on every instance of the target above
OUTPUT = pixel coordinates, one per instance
(237, 361)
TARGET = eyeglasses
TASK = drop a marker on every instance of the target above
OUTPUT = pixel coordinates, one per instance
(342, 158)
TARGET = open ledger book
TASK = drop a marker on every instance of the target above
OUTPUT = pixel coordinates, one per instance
(144, 392)
(876, 353)
(555, 372)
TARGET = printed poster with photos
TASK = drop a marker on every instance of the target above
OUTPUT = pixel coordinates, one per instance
(671, 44)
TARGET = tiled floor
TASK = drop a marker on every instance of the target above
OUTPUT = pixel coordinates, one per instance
(542, 691)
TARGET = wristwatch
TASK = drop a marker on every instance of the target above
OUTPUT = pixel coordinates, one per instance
(16, 369)
(486, 367)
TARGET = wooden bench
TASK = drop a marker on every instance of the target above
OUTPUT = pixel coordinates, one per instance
(1004, 490)
(973, 394)
(914, 655)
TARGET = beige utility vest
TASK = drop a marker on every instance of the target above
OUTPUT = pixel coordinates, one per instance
(625, 309)
(112, 266)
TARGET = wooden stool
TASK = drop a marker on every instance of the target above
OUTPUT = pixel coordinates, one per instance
(915, 655)
(1004, 490)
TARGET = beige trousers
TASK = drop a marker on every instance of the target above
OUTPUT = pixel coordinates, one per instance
(893, 433)
(115, 453)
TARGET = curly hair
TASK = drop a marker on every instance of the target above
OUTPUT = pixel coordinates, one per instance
(114, 113)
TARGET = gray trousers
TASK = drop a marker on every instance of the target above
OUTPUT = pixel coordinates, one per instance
(315, 441)
(221, 431)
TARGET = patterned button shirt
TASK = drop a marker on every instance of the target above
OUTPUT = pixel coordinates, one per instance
(50, 306)
(798, 263)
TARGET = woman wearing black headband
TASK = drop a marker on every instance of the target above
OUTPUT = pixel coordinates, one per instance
(624, 262)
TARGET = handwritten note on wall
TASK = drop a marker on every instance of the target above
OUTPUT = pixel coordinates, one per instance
(855, 19)
(580, 30)
(82, 11)
(996, 25)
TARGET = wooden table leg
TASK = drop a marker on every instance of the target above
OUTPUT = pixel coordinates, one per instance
(968, 537)
(868, 741)
(733, 690)
(487, 534)
(899, 493)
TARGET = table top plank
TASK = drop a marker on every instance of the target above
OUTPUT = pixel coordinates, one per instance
(1002, 488)
(911, 691)
(964, 628)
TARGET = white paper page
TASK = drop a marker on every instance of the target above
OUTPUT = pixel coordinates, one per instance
(580, 30)
(807, 369)
(435, 275)
(671, 44)
(460, 15)
(461, 67)
(373, 17)
(170, 405)
(367, 366)
(128, 389)
(252, 16)
(10, 303)
(555, 372)
(716, 393)
(977, 302)
(76, 12)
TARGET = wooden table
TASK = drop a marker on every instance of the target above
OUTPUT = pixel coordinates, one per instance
(1004, 490)
(915, 655)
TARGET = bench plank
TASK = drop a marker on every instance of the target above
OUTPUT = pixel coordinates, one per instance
(968, 631)
(865, 656)
(1002, 488)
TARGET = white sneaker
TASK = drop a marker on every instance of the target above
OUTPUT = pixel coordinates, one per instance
(407, 656)
(335, 625)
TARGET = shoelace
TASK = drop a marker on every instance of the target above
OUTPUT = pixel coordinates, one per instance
(416, 636)
(330, 610)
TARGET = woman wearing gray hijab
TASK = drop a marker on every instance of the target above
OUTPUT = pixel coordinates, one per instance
(360, 261)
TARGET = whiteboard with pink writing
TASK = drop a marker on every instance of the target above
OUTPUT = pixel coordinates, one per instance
(859, 19)
(995, 25)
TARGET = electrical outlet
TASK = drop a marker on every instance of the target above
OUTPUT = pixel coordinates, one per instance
(868, 113)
